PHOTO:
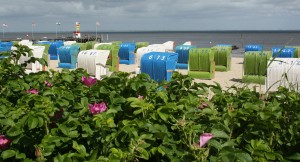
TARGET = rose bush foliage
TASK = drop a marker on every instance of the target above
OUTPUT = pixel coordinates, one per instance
(63, 116)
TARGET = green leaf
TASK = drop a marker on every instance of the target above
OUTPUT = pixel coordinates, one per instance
(68, 96)
(111, 122)
(111, 111)
(162, 115)
(68, 78)
(243, 157)
(73, 134)
(163, 96)
(79, 148)
(7, 121)
(8, 154)
(62, 158)
(32, 122)
(20, 156)
(84, 102)
(219, 134)
(103, 90)
(295, 156)
(264, 115)
(14, 131)
(161, 151)
(48, 93)
(214, 143)
(144, 153)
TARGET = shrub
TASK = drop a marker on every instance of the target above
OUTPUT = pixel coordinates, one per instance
(138, 119)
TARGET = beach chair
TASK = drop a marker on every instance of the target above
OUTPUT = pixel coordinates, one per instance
(82, 46)
(161, 47)
(113, 58)
(25, 42)
(99, 44)
(189, 43)
(159, 65)
(255, 66)
(297, 50)
(68, 43)
(143, 50)
(283, 72)
(54, 46)
(68, 56)
(284, 52)
(90, 44)
(94, 61)
(140, 45)
(253, 47)
(126, 53)
(169, 46)
(37, 52)
(201, 63)
(6, 46)
(45, 54)
(183, 56)
(116, 42)
(222, 57)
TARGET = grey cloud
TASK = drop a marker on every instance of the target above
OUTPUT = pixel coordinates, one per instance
(150, 14)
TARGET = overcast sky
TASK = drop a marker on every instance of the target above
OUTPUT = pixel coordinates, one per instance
(132, 15)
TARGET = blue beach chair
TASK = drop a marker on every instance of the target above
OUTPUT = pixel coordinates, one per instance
(126, 53)
(159, 65)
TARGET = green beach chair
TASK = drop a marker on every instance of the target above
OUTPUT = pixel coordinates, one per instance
(82, 46)
(90, 44)
(116, 42)
(201, 63)
(255, 66)
(222, 57)
(113, 59)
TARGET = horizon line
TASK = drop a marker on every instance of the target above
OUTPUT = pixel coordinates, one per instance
(132, 31)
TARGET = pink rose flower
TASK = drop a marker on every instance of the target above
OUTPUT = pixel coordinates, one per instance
(33, 91)
(140, 97)
(204, 138)
(48, 84)
(89, 81)
(97, 108)
(4, 142)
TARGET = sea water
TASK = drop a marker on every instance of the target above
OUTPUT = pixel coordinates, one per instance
(201, 39)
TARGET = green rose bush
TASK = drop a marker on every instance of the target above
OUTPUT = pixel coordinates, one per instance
(71, 116)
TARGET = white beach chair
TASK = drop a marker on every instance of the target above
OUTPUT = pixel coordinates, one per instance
(283, 72)
(189, 43)
(68, 43)
(37, 52)
(94, 61)
(169, 45)
(25, 42)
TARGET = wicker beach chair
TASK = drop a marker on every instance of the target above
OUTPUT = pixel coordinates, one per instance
(126, 53)
(183, 56)
(94, 61)
(201, 63)
(255, 66)
(159, 65)
(37, 52)
(222, 57)
(68, 56)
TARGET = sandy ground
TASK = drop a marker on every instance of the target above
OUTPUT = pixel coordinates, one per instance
(225, 79)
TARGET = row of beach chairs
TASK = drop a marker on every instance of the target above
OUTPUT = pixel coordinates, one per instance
(160, 60)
